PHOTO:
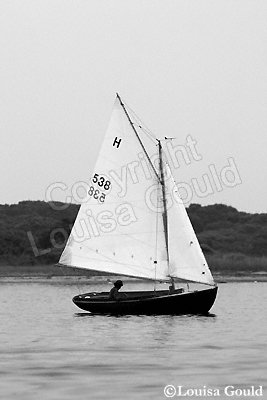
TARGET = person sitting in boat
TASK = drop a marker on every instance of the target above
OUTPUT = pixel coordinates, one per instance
(172, 287)
(114, 292)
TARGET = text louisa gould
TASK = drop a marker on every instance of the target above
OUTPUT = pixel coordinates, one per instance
(229, 391)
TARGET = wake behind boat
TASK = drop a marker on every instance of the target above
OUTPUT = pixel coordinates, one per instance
(133, 223)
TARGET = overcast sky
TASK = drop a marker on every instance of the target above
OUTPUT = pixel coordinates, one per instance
(186, 67)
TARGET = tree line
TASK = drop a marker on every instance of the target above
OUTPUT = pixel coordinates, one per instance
(34, 232)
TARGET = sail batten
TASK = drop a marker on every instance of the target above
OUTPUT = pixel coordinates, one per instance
(118, 229)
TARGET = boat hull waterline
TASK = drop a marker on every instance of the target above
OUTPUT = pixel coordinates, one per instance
(149, 303)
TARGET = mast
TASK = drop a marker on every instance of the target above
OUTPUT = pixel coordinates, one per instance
(164, 213)
(160, 178)
(135, 131)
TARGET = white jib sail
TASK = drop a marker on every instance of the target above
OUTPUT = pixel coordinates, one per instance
(186, 259)
(117, 230)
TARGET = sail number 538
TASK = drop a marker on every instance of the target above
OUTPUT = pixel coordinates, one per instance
(103, 184)
(96, 194)
(101, 181)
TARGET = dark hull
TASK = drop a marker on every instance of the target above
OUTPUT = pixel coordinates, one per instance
(149, 303)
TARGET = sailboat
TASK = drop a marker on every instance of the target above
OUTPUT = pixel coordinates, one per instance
(133, 223)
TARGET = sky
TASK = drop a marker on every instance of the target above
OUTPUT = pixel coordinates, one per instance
(188, 68)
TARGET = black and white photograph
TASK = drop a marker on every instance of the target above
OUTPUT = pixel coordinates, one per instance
(133, 201)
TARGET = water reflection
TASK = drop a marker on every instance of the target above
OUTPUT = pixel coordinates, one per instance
(196, 316)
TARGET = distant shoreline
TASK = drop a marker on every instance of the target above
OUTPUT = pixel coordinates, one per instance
(55, 273)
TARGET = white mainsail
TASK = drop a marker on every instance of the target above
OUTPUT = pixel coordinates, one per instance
(119, 229)
(117, 232)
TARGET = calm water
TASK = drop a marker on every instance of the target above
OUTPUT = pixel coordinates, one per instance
(49, 350)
